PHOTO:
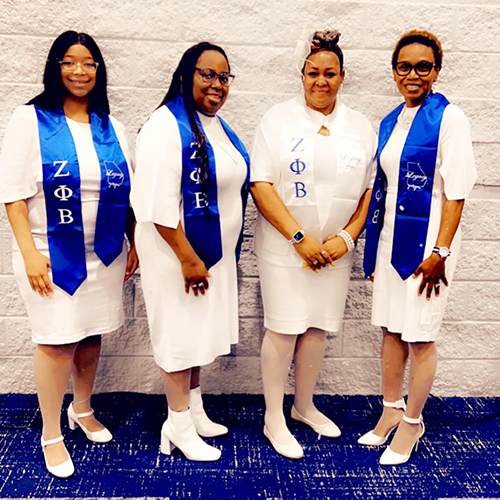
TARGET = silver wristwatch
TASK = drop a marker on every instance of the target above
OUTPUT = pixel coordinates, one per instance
(443, 252)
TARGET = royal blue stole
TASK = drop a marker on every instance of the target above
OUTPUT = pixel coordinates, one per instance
(416, 178)
(61, 186)
(201, 213)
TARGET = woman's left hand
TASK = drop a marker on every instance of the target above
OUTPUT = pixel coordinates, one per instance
(335, 247)
(432, 270)
(132, 263)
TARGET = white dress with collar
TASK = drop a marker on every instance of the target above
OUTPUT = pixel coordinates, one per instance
(396, 304)
(320, 179)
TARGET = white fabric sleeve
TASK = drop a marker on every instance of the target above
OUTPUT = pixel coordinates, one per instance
(17, 172)
(371, 169)
(156, 189)
(264, 164)
(122, 139)
(457, 169)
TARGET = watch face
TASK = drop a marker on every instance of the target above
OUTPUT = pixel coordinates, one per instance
(298, 236)
(444, 252)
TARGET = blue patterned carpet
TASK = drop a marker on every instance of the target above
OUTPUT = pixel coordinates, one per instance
(459, 456)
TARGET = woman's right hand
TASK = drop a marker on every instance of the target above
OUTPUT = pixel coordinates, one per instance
(37, 266)
(312, 252)
(195, 275)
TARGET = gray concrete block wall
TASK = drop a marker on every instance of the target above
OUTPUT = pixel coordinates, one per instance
(142, 42)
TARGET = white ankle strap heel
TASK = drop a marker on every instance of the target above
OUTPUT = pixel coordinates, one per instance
(390, 457)
(370, 438)
(64, 470)
(102, 436)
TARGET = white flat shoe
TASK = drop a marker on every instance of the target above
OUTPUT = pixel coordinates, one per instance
(390, 457)
(64, 470)
(204, 426)
(372, 439)
(102, 436)
(328, 430)
(291, 450)
(179, 431)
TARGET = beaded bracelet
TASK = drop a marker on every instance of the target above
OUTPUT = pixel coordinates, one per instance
(348, 240)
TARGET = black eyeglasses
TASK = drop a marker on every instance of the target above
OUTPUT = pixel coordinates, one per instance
(209, 76)
(423, 68)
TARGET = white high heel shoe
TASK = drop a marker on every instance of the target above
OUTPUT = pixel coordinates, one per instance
(179, 430)
(64, 470)
(370, 438)
(204, 426)
(329, 429)
(102, 436)
(291, 450)
(390, 457)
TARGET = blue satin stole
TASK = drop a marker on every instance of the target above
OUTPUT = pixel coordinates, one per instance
(201, 214)
(416, 178)
(61, 186)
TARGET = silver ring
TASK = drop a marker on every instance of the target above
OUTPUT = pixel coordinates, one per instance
(323, 252)
(316, 262)
(194, 285)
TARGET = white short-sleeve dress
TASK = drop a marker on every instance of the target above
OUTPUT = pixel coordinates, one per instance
(343, 168)
(186, 331)
(396, 304)
(96, 306)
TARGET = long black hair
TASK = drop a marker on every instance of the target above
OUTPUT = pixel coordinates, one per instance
(52, 96)
(182, 85)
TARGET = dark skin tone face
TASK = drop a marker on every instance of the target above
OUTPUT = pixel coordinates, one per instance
(415, 88)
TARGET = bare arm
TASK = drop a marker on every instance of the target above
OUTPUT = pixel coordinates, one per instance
(275, 212)
(35, 263)
(336, 246)
(432, 269)
(193, 269)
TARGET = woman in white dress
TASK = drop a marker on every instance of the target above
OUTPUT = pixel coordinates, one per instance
(65, 182)
(426, 170)
(189, 195)
(312, 168)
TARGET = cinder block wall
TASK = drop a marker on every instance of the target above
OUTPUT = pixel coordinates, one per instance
(142, 41)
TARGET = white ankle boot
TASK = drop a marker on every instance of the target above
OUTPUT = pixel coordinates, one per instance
(204, 426)
(179, 430)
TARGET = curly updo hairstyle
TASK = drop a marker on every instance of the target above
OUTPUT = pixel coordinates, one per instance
(327, 40)
(422, 37)
(182, 85)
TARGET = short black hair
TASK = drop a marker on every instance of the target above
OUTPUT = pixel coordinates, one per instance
(52, 96)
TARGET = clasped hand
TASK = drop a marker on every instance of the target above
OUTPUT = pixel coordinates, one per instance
(432, 270)
(317, 255)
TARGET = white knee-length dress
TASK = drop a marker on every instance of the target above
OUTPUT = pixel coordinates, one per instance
(96, 306)
(186, 331)
(396, 304)
(286, 146)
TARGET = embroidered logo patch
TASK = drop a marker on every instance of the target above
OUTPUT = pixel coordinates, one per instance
(415, 176)
(114, 175)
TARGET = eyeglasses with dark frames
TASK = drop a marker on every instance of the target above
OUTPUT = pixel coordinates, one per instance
(209, 76)
(70, 66)
(423, 68)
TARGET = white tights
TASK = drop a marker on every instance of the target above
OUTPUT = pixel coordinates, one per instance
(276, 357)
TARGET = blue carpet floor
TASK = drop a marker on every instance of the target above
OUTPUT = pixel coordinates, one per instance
(459, 456)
